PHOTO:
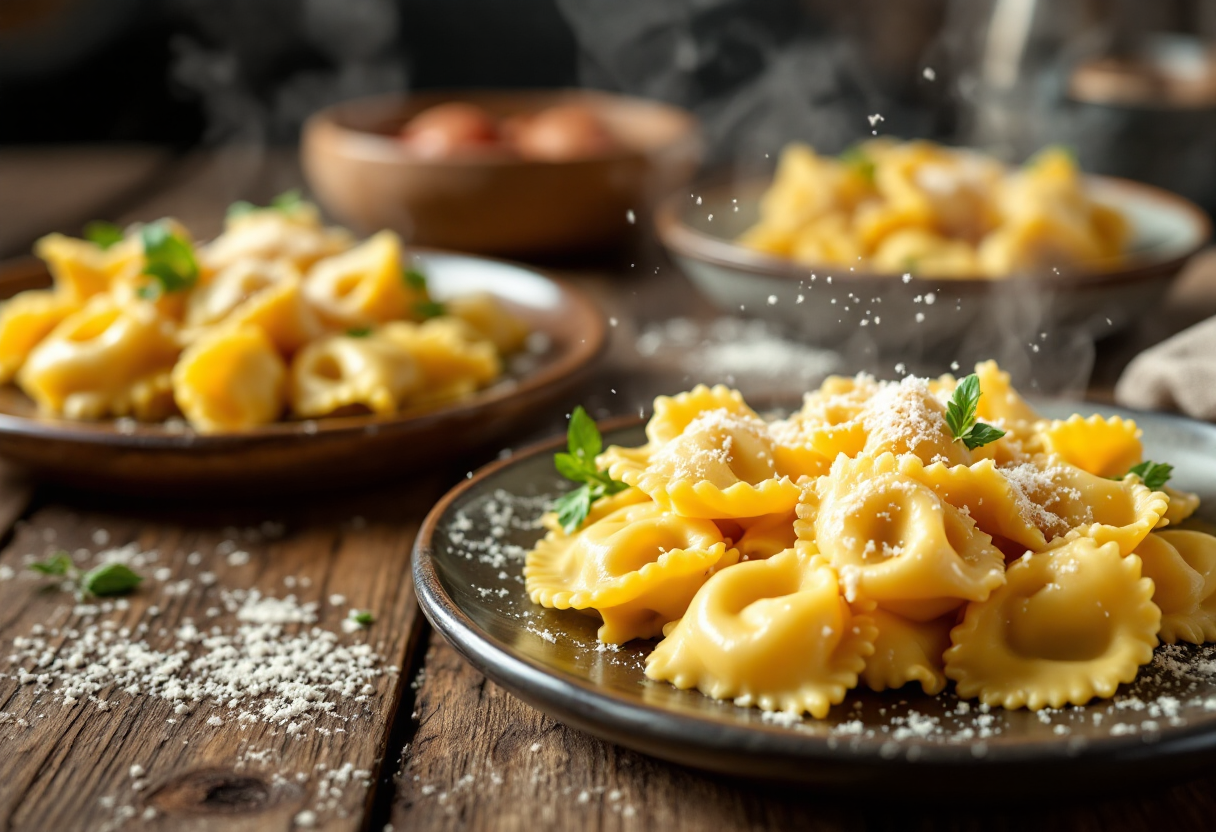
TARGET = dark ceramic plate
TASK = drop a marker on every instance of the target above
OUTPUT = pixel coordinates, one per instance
(470, 585)
(320, 453)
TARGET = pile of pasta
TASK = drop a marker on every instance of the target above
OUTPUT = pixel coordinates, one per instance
(277, 315)
(921, 208)
(856, 542)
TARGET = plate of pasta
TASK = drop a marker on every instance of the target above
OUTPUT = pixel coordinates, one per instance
(927, 584)
(813, 245)
(282, 353)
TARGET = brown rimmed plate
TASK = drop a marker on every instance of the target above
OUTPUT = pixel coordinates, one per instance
(569, 334)
(829, 305)
(1160, 727)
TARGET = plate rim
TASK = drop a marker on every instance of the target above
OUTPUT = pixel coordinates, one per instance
(684, 241)
(682, 738)
(151, 437)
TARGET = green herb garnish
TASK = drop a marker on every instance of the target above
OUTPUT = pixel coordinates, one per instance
(583, 444)
(960, 415)
(103, 234)
(109, 579)
(429, 309)
(860, 162)
(359, 332)
(287, 202)
(101, 581)
(1153, 474)
(414, 278)
(167, 257)
(57, 565)
(363, 618)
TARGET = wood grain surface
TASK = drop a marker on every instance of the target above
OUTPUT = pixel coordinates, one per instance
(442, 748)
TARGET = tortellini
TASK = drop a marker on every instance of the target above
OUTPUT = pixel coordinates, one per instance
(104, 360)
(919, 207)
(341, 374)
(230, 379)
(280, 316)
(857, 541)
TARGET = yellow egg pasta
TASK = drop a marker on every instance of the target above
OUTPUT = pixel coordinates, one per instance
(147, 323)
(879, 536)
(638, 567)
(230, 379)
(1068, 625)
(743, 629)
(922, 208)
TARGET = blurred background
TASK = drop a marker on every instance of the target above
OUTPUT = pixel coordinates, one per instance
(1112, 78)
(141, 85)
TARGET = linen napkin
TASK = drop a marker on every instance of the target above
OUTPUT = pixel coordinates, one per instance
(1177, 374)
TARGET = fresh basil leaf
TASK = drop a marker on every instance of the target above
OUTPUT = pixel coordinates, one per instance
(960, 410)
(103, 234)
(168, 258)
(572, 468)
(1154, 474)
(359, 332)
(572, 508)
(109, 579)
(57, 565)
(363, 618)
(288, 202)
(426, 309)
(980, 435)
(415, 278)
(859, 161)
(583, 437)
(240, 208)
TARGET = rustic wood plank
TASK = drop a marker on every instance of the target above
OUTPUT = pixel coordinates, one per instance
(69, 766)
(481, 759)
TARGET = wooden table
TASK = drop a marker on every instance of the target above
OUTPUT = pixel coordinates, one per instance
(429, 743)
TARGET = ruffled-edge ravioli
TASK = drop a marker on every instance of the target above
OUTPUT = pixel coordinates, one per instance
(987, 495)
(999, 402)
(1069, 624)
(766, 536)
(772, 633)
(908, 651)
(1182, 505)
(906, 418)
(722, 465)
(895, 541)
(1105, 447)
(1072, 503)
(1182, 566)
(673, 414)
(638, 567)
(600, 509)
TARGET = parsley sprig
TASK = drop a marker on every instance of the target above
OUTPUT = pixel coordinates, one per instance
(961, 418)
(426, 307)
(583, 444)
(860, 161)
(287, 202)
(101, 581)
(1153, 474)
(103, 234)
(169, 258)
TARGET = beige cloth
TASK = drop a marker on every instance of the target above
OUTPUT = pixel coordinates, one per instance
(1177, 374)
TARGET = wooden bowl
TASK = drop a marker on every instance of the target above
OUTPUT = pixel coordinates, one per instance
(494, 203)
(318, 454)
(830, 305)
